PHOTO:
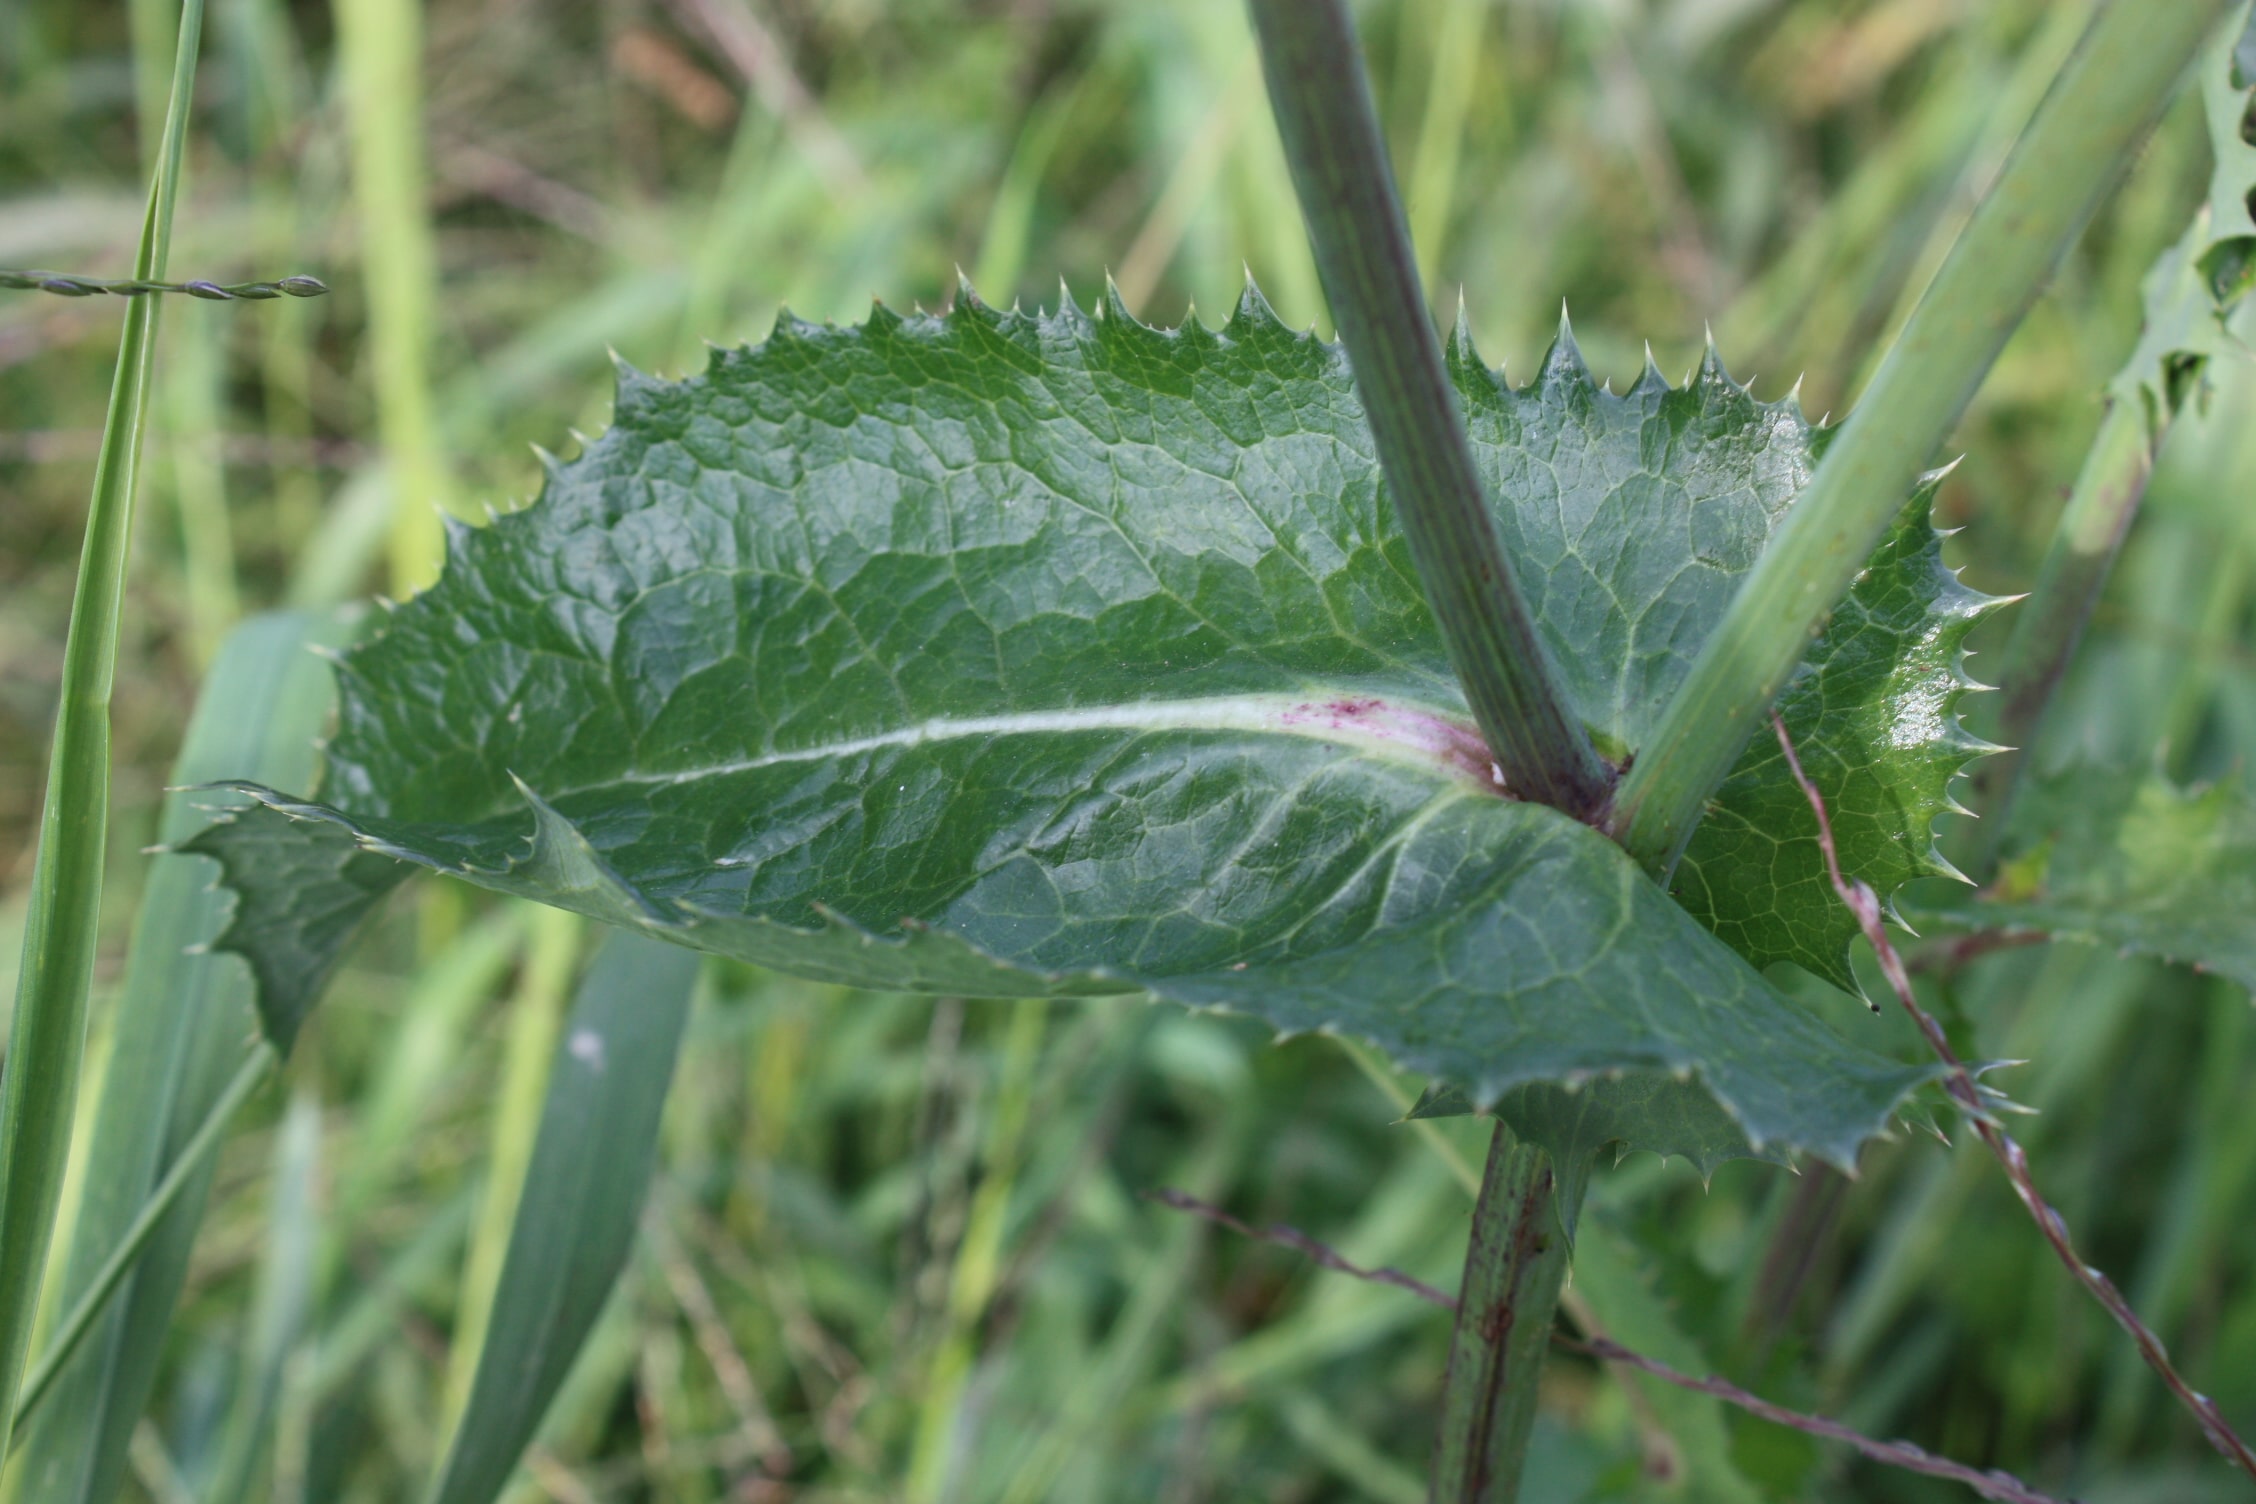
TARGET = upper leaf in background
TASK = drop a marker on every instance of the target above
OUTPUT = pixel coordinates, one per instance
(2133, 862)
(1006, 653)
(2227, 256)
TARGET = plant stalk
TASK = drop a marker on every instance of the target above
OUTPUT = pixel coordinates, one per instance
(2100, 107)
(2052, 620)
(39, 1088)
(1339, 166)
(1514, 1268)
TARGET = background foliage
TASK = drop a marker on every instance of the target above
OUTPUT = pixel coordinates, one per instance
(897, 1248)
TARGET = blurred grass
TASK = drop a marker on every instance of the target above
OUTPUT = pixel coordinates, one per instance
(896, 1248)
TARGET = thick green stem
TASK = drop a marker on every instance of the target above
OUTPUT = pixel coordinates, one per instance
(2097, 112)
(2052, 621)
(39, 1090)
(1339, 167)
(1514, 1268)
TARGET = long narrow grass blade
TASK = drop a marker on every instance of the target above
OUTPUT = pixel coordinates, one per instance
(278, 1314)
(583, 1195)
(72, 1329)
(536, 1019)
(39, 1090)
(379, 60)
(181, 1022)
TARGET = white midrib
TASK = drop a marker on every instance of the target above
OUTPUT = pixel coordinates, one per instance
(1416, 735)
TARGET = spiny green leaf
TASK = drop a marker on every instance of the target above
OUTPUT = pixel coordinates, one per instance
(1874, 717)
(2115, 858)
(2194, 287)
(2183, 327)
(1633, 518)
(1009, 654)
(292, 925)
(1631, 1111)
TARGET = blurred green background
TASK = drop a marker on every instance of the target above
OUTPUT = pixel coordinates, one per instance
(897, 1248)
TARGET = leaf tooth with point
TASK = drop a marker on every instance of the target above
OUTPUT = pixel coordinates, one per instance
(1711, 372)
(551, 468)
(1071, 316)
(1194, 332)
(1252, 316)
(1563, 362)
(632, 391)
(790, 329)
(1122, 330)
(968, 308)
(1460, 351)
(1650, 382)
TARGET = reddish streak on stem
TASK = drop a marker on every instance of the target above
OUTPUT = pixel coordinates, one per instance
(1990, 1484)
(1865, 905)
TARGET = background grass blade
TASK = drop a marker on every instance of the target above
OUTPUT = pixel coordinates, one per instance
(39, 1089)
(582, 1198)
(536, 1017)
(380, 52)
(72, 1328)
(181, 1022)
(278, 1312)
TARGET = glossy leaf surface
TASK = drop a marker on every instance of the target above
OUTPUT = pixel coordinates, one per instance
(1009, 654)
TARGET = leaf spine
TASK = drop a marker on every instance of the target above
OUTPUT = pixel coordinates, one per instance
(1564, 359)
(1072, 315)
(1252, 315)
(1650, 381)
(1461, 351)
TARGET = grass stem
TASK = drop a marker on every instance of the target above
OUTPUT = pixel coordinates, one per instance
(39, 1087)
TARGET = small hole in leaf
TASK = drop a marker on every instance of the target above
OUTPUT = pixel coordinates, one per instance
(2181, 376)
